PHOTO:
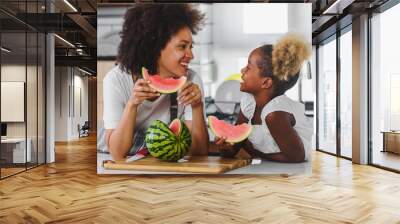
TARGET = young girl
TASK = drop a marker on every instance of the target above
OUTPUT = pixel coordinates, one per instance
(281, 131)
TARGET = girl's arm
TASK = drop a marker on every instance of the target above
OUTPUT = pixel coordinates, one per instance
(280, 125)
(278, 157)
(241, 119)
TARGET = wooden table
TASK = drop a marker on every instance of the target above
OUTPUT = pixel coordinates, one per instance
(194, 164)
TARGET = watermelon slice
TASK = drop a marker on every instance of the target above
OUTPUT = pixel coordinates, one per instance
(167, 85)
(233, 133)
(175, 126)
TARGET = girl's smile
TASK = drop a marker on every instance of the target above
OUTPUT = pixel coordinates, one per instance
(251, 78)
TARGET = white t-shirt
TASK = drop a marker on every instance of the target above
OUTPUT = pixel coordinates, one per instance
(260, 136)
(117, 89)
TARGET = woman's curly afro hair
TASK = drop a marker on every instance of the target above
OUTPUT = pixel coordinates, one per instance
(148, 28)
(282, 61)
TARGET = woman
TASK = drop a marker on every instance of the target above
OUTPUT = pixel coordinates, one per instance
(159, 38)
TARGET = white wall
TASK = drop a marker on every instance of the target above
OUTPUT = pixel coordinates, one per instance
(300, 19)
(68, 81)
(231, 46)
(109, 24)
(80, 83)
(15, 72)
(102, 68)
(61, 103)
(33, 126)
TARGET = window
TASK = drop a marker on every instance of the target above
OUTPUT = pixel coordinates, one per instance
(346, 94)
(22, 75)
(327, 97)
(385, 89)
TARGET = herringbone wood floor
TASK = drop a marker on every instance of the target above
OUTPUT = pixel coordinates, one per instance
(70, 191)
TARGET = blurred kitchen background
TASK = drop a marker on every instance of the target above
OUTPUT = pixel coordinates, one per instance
(221, 48)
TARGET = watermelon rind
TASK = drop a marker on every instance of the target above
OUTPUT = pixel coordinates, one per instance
(163, 144)
(161, 89)
(230, 139)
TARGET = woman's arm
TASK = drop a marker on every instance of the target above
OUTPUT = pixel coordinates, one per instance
(198, 129)
(120, 139)
(280, 125)
(192, 95)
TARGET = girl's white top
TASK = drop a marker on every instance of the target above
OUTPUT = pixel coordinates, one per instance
(260, 136)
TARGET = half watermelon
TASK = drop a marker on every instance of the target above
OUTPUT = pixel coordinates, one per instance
(233, 133)
(167, 85)
(168, 143)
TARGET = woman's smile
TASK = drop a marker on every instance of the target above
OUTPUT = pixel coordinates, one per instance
(176, 56)
(185, 65)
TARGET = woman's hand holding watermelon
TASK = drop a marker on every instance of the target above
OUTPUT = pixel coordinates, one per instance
(141, 92)
(190, 94)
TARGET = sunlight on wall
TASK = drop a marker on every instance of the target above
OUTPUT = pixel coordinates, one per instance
(266, 18)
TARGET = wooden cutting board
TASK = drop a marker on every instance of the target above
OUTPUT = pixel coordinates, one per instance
(194, 164)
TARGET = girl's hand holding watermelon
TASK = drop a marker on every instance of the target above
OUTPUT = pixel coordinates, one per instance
(226, 149)
(190, 94)
(141, 92)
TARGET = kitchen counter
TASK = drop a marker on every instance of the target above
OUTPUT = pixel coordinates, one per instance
(265, 167)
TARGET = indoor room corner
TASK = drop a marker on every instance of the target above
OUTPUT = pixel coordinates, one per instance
(48, 80)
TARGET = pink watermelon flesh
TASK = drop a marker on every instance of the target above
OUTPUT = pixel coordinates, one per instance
(175, 126)
(167, 85)
(233, 133)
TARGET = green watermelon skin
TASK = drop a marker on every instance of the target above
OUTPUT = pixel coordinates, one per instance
(163, 144)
